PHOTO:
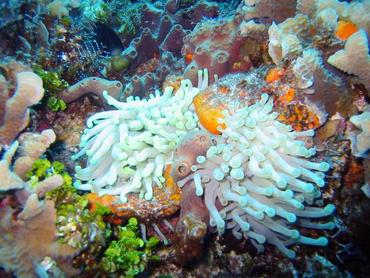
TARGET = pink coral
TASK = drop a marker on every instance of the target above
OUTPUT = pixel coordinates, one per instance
(16, 117)
(28, 236)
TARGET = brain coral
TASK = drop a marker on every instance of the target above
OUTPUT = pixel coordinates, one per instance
(256, 178)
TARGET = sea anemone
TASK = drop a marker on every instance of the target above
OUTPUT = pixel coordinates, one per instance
(257, 179)
(255, 176)
(128, 148)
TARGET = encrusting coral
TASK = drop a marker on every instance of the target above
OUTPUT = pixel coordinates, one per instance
(256, 177)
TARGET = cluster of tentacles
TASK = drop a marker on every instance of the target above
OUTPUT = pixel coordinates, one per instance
(255, 178)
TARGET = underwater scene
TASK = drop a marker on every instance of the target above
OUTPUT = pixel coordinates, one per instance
(184, 138)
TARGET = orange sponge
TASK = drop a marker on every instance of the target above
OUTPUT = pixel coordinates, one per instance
(345, 29)
(208, 115)
(273, 75)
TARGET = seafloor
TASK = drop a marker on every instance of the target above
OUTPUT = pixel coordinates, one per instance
(184, 138)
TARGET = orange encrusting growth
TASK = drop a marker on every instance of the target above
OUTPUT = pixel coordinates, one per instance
(188, 58)
(273, 74)
(208, 115)
(224, 90)
(173, 81)
(288, 96)
(345, 29)
(165, 203)
(299, 117)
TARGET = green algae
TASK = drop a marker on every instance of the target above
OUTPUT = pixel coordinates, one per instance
(129, 254)
(76, 224)
(53, 84)
(43, 168)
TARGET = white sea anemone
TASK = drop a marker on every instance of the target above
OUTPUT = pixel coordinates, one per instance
(257, 180)
(127, 148)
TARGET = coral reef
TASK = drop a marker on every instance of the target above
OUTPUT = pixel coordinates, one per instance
(254, 174)
(351, 12)
(216, 46)
(274, 173)
(237, 176)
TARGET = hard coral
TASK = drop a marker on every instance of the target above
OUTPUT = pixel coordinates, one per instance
(32, 146)
(355, 12)
(256, 179)
(30, 237)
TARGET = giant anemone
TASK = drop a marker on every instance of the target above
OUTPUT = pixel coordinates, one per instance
(257, 177)
(257, 180)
